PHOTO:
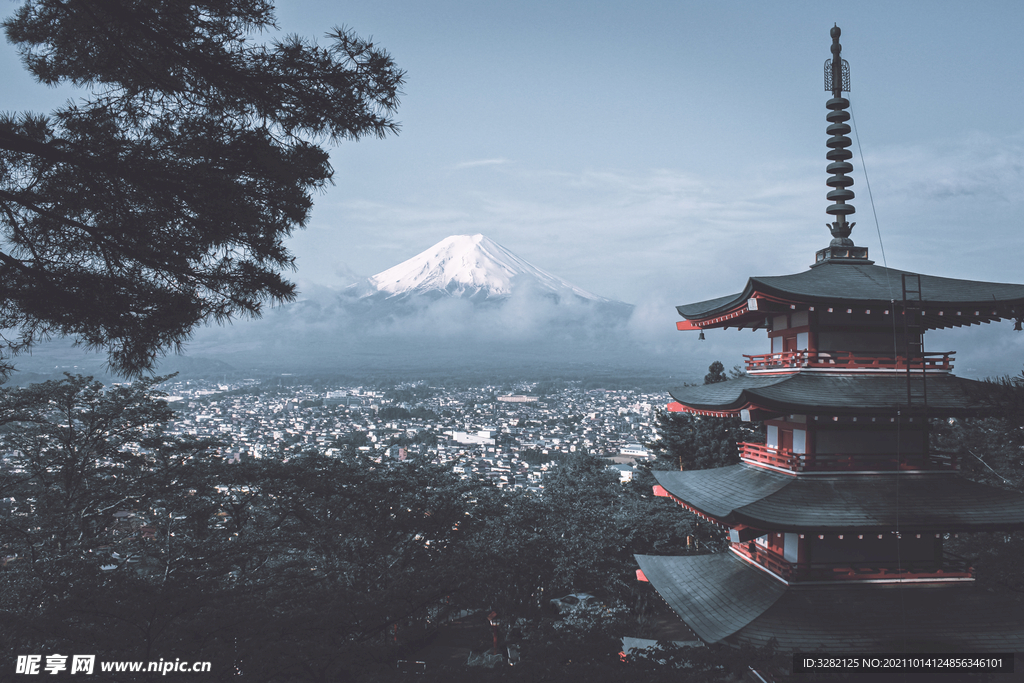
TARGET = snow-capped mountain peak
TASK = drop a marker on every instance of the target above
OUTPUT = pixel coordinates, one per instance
(470, 266)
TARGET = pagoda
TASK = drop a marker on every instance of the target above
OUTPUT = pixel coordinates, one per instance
(837, 521)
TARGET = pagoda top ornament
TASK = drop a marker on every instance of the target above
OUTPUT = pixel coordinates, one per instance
(837, 81)
(842, 281)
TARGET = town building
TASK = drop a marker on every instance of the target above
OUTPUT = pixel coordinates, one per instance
(837, 522)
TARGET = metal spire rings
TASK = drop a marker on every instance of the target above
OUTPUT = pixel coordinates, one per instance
(838, 142)
(837, 80)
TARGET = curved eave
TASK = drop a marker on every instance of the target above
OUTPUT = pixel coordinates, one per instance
(715, 595)
(946, 302)
(752, 496)
(724, 599)
(831, 394)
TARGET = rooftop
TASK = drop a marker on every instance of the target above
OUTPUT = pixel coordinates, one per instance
(828, 394)
(725, 599)
(741, 494)
(862, 285)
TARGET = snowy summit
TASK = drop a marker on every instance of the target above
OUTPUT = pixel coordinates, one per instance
(473, 267)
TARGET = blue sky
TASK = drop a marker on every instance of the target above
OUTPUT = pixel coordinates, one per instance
(659, 153)
(679, 147)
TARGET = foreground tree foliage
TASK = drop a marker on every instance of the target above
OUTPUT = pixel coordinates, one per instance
(698, 442)
(162, 199)
(580, 535)
(122, 540)
(105, 536)
(991, 450)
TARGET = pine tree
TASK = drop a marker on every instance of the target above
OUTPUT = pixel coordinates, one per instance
(161, 199)
(695, 442)
(716, 373)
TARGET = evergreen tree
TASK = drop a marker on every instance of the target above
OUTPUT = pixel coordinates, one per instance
(716, 373)
(118, 540)
(106, 538)
(991, 450)
(698, 442)
(162, 199)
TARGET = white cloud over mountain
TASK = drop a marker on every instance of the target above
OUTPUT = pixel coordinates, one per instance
(465, 302)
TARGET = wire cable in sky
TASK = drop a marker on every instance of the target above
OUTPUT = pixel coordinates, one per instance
(895, 352)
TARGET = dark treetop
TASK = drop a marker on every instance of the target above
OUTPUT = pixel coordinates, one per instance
(161, 200)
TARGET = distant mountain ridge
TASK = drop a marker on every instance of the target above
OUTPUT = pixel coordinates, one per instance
(465, 305)
(472, 267)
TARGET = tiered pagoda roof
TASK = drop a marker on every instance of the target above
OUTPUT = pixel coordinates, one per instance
(829, 394)
(930, 502)
(861, 287)
(725, 599)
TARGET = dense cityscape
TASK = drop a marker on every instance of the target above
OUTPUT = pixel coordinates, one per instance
(508, 434)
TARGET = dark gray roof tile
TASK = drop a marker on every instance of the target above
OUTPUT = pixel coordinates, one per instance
(722, 598)
(742, 494)
(861, 283)
(815, 393)
(715, 599)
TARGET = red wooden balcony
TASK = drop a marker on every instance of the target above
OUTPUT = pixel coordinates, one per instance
(760, 454)
(776, 457)
(844, 360)
(950, 567)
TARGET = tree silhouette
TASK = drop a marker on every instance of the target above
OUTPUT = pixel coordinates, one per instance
(716, 373)
(161, 199)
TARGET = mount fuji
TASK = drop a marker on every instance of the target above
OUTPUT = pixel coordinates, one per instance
(467, 309)
(465, 305)
(477, 269)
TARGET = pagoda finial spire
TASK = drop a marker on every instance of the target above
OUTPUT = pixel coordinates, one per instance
(837, 80)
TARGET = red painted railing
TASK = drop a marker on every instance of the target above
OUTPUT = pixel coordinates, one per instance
(844, 360)
(950, 567)
(776, 457)
(758, 453)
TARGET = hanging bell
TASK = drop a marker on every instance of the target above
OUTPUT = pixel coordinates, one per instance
(700, 337)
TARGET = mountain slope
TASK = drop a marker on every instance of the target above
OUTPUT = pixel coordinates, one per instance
(471, 267)
(466, 304)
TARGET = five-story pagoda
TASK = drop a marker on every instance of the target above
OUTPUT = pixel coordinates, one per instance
(837, 521)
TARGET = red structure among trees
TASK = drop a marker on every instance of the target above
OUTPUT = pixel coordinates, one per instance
(837, 522)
